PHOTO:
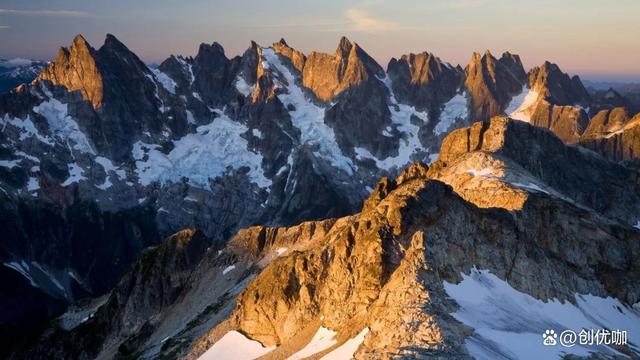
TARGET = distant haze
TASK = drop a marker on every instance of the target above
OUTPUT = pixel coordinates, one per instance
(595, 39)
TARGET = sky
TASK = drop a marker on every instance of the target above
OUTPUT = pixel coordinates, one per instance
(598, 40)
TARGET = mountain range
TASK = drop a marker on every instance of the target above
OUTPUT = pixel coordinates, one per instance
(295, 205)
(14, 72)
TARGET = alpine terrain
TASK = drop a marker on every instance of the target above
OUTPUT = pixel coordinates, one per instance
(283, 205)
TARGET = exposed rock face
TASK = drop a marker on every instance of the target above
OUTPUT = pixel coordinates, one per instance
(384, 268)
(424, 81)
(67, 253)
(76, 69)
(612, 134)
(554, 101)
(514, 64)
(539, 159)
(297, 58)
(557, 87)
(119, 87)
(213, 73)
(492, 83)
(328, 75)
(559, 94)
(125, 319)
(606, 122)
(567, 122)
(183, 278)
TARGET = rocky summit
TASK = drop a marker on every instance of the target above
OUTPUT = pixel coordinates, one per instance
(278, 204)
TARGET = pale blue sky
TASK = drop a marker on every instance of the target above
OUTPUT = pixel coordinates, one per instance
(595, 39)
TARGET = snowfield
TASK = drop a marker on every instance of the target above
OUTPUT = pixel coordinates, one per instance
(164, 80)
(509, 324)
(75, 174)
(234, 345)
(63, 126)
(346, 350)
(307, 116)
(521, 105)
(322, 340)
(200, 156)
(455, 109)
(409, 144)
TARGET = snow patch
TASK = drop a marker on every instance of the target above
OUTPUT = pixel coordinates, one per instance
(62, 125)
(27, 156)
(190, 118)
(486, 172)
(346, 350)
(242, 86)
(510, 324)
(108, 167)
(10, 164)
(234, 345)
(75, 174)
(308, 117)
(257, 133)
(28, 129)
(200, 156)
(521, 105)
(322, 340)
(454, 109)
(167, 82)
(409, 144)
(228, 269)
(33, 184)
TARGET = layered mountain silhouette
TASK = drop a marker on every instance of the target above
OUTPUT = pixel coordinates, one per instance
(14, 72)
(272, 162)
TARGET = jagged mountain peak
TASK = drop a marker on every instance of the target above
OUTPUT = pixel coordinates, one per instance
(282, 41)
(213, 49)
(491, 84)
(76, 68)
(115, 53)
(82, 68)
(253, 45)
(80, 40)
(328, 75)
(423, 79)
(344, 47)
(296, 57)
(514, 64)
(112, 40)
(556, 86)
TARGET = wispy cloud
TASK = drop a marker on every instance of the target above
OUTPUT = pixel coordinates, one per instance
(361, 20)
(4, 27)
(53, 13)
(353, 20)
